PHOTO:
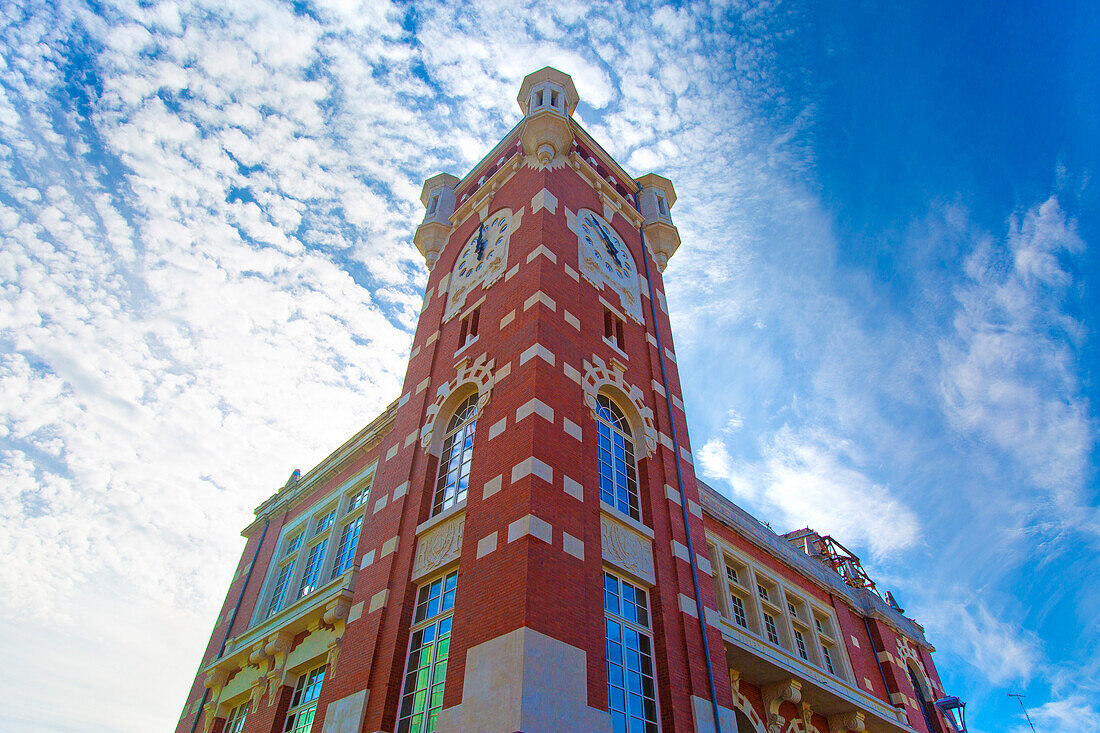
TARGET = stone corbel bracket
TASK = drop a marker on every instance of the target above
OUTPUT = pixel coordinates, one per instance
(776, 694)
(806, 713)
(277, 648)
(336, 616)
(215, 681)
(479, 373)
(850, 722)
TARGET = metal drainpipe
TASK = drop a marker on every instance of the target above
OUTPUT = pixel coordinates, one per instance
(881, 671)
(233, 618)
(701, 611)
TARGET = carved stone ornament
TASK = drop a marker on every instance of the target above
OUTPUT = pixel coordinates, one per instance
(438, 546)
(850, 722)
(626, 548)
(598, 374)
(479, 373)
(776, 694)
(257, 692)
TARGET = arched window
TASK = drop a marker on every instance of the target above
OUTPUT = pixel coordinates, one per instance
(922, 700)
(618, 469)
(454, 459)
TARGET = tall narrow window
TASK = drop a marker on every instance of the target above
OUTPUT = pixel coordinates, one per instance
(429, 644)
(662, 206)
(828, 657)
(468, 330)
(769, 626)
(454, 459)
(433, 203)
(613, 330)
(349, 538)
(631, 691)
(739, 611)
(800, 643)
(235, 722)
(312, 574)
(282, 580)
(303, 705)
(615, 447)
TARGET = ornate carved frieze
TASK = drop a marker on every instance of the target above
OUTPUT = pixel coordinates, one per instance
(626, 548)
(850, 722)
(438, 546)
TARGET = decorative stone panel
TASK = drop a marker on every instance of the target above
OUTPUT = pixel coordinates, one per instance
(626, 548)
(438, 546)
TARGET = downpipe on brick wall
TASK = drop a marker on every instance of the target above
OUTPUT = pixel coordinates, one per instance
(233, 618)
(700, 610)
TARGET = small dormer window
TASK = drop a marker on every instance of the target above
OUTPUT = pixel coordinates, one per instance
(433, 202)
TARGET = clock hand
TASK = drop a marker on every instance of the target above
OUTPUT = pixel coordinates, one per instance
(612, 250)
(480, 249)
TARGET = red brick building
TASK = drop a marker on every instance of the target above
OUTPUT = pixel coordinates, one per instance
(519, 542)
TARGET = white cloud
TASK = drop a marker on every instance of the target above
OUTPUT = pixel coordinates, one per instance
(1009, 368)
(1000, 651)
(1070, 715)
(811, 480)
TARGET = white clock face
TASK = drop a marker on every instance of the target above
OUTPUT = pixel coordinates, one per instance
(605, 260)
(482, 259)
(612, 256)
(482, 247)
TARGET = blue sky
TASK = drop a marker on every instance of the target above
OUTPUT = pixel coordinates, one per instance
(884, 302)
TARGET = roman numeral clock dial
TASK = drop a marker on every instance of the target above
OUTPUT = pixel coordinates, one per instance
(605, 259)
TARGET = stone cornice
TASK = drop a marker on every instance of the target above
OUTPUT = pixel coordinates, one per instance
(289, 496)
(487, 162)
(604, 157)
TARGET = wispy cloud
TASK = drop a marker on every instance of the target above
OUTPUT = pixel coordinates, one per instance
(1070, 715)
(809, 479)
(1010, 373)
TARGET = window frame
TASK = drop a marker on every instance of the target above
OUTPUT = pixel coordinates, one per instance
(312, 679)
(640, 630)
(236, 724)
(442, 617)
(467, 428)
(816, 623)
(347, 504)
(633, 503)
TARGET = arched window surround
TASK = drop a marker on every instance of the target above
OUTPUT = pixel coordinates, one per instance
(601, 378)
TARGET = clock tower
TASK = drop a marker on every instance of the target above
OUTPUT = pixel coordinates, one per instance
(519, 542)
(544, 344)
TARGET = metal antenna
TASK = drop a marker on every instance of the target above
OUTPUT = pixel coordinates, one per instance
(1020, 699)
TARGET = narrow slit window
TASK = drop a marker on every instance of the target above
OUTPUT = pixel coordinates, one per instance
(468, 330)
(613, 329)
(433, 203)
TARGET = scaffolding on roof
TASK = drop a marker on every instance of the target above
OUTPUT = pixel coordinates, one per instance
(826, 549)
